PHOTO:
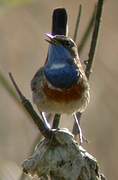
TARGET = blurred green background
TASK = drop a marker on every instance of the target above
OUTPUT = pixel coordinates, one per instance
(23, 50)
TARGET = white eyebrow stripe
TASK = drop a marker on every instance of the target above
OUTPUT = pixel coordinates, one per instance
(57, 66)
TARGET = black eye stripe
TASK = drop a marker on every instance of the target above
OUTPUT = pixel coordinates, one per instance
(67, 43)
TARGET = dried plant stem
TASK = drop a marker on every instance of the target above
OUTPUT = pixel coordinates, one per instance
(43, 127)
(8, 87)
(56, 121)
(87, 32)
(94, 38)
(89, 64)
(77, 23)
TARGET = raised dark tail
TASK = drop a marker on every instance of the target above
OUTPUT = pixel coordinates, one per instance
(59, 22)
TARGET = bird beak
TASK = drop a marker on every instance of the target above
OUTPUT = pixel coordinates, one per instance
(50, 39)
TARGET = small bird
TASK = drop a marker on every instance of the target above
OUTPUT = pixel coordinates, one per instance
(61, 86)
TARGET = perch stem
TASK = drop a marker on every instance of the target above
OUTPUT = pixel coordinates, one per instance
(89, 64)
(56, 121)
(43, 127)
(87, 32)
(77, 23)
(93, 45)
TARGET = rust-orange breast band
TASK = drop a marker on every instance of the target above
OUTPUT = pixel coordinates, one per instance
(66, 95)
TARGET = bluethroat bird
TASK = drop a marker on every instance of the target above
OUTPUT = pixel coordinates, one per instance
(61, 86)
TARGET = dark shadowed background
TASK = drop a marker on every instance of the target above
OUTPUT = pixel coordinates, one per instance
(23, 50)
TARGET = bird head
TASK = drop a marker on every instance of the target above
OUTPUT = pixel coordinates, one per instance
(66, 42)
(61, 69)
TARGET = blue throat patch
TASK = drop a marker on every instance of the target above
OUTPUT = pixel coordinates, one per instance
(61, 77)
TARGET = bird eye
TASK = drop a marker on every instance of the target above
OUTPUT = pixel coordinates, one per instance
(68, 44)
